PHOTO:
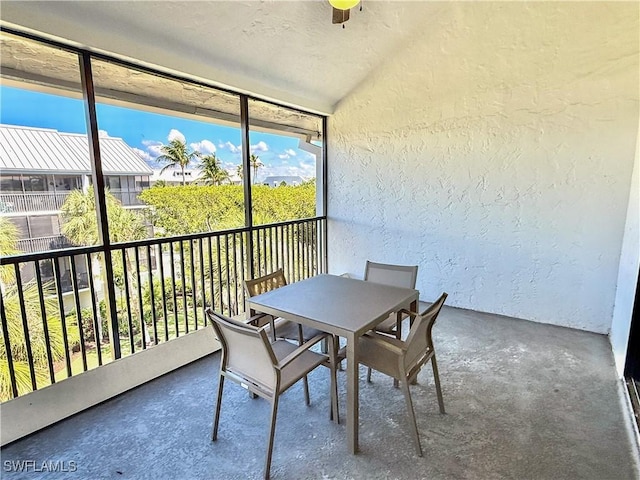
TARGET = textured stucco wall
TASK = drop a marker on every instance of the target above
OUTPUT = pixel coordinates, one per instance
(496, 151)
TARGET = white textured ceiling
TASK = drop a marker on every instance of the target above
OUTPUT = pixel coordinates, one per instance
(283, 50)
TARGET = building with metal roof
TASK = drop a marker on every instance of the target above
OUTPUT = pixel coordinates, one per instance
(39, 168)
(35, 150)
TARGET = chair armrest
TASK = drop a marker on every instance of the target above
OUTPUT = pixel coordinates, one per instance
(305, 346)
(389, 343)
(252, 320)
(408, 313)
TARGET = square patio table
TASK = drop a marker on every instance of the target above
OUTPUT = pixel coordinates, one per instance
(342, 306)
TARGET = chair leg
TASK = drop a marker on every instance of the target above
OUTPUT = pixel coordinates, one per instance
(305, 383)
(369, 374)
(412, 415)
(436, 379)
(398, 337)
(216, 417)
(307, 399)
(335, 412)
(272, 432)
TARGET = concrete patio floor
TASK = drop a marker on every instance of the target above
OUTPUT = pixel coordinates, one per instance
(523, 400)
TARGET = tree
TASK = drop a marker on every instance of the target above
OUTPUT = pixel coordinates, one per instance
(13, 313)
(240, 171)
(8, 240)
(255, 164)
(212, 171)
(177, 154)
(80, 225)
(37, 338)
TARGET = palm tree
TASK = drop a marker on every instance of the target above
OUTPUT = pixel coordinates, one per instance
(13, 313)
(177, 154)
(37, 338)
(80, 223)
(255, 164)
(240, 171)
(212, 171)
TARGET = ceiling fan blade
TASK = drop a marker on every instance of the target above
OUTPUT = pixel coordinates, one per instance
(339, 16)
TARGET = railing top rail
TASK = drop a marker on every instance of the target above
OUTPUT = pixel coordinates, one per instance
(66, 252)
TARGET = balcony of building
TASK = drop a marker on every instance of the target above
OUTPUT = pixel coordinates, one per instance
(32, 202)
(493, 144)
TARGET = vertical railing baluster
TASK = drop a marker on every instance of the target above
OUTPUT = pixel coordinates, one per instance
(220, 286)
(164, 293)
(255, 253)
(127, 296)
(272, 256)
(97, 322)
(235, 276)
(184, 288)
(276, 231)
(175, 294)
(226, 248)
(194, 291)
(258, 256)
(7, 346)
(243, 267)
(288, 253)
(63, 320)
(308, 248)
(211, 276)
(296, 251)
(143, 325)
(25, 326)
(152, 297)
(202, 284)
(45, 326)
(76, 298)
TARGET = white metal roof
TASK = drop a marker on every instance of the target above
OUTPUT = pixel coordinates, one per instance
(41, 150)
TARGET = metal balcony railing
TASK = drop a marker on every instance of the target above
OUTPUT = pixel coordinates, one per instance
(161, 288)
(53, 201)
(43, 244)
(32, 202)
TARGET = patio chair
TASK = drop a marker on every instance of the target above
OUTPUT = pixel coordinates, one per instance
(264, 368)
(279, 327)
(402, 360)
(396, 276)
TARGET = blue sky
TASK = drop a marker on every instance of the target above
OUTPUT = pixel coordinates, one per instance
(146, 132)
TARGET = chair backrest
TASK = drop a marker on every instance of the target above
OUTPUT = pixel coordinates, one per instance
(246, 351)
(419, 340)
(265, 283)
(394, 275)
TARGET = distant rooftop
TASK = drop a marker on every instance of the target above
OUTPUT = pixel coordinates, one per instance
(276, 180)
(43, 150)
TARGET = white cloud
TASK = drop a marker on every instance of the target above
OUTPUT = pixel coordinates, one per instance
(305, 171)
(259, 147)
(176, 135)
(205, 146)
(143, 155)
(103, 133)
(155, 150)
(230, 146)
(284, 156)
(290, 152)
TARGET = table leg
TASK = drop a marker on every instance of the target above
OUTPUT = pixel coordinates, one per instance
(413, 308)
(352, 394)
